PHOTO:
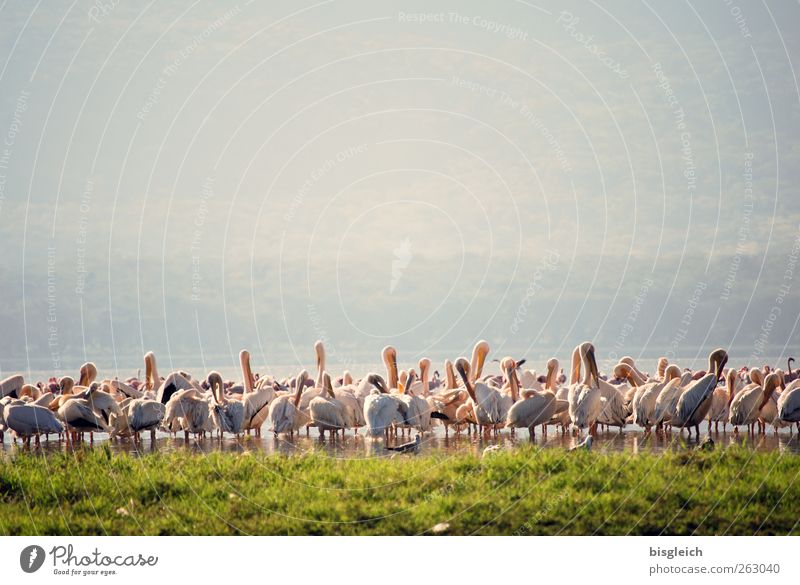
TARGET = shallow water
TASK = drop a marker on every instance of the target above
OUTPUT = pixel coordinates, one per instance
(354, 446)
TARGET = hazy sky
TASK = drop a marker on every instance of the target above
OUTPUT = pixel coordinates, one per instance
(194, 178)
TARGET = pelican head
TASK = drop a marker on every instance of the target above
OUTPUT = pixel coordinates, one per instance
(379, 383)
(625, 371)
(88, 374)
(771, 383)
(716, 362)
(462, 367)
(479, 353)
(671, 372)
(215, 383)
(587, 353)
(389, 355)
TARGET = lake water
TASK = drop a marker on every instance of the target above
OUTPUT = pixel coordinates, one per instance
(631, 440)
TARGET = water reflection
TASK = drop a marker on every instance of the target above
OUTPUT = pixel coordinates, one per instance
(357, 446)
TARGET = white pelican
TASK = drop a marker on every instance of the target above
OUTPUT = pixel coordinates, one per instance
(227, 415)
(789, 404)
(188, 410)
(255, 400)
(534, 408)
(485, 400)
(101, 400)
(721, 400)
(643, 405)
(695, 401)
(326, 412)
(79, 417)
(667, 401)
(449, 399)
(27, 420)
(173, 383)
(141, 414)
(381, 410)
(88, 374)
(561, 417)
(415, 410)
(585, 397)
(285, 415)
(746, 406)
(11, 386)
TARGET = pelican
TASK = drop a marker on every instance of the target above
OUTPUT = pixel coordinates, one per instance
(667, 401)
(188, 410)
(415, 410)
(695, 401)
(789, 404)
(561, 416)
(88, 374)
(644, 400)
(746, 406)
(535, 408)
(101, 400)
(326, 412)
(173, 383)
(450, 399)
(485, 401)
(79, 417)
(255, 400)
(11, 386)
(381, 410)
(585, 398)
(142, 414)
(721, 400)
(227, 415)
(285, 415)
(27, 420)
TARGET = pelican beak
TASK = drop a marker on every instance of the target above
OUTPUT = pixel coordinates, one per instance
(593, 366)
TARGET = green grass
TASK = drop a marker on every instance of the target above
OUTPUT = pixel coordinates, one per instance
(525, 491)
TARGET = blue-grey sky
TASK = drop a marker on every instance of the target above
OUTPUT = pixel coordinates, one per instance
(198, 177)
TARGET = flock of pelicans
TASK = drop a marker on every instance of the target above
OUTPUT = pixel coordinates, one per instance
(516, 399)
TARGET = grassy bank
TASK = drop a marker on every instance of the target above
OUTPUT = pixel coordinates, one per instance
(525, 491)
